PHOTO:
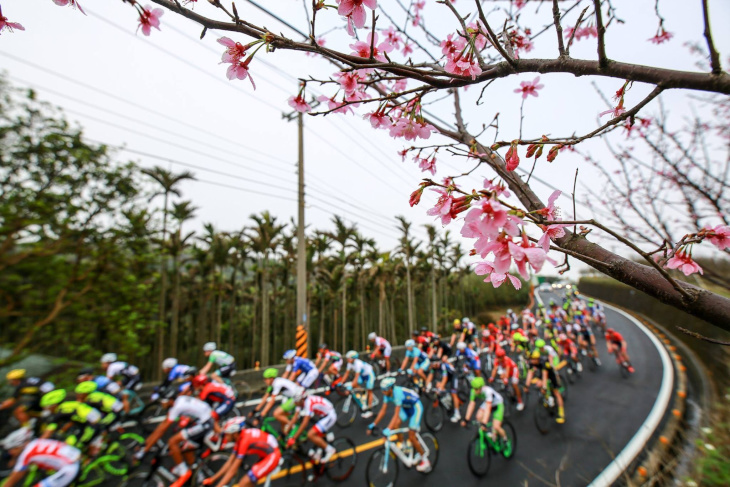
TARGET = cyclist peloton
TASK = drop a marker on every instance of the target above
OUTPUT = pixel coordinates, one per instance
(225, 362)
(381, 348)
(329, 363)
(364, 375)
(126, 375)
(103, 383)
(174, 372)
(26, 398)
(276, 386)
(109, 406)
(470, 357)
(308, 372)
(408, 408)
(78, 422)
(57, 458)
(308, 407)
(541, 362)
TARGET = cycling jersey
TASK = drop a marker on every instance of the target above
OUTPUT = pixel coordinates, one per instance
(217, 392)
(51, 455)
(383, 345)
(614, 337)
(405, 398)
(221, 358)
(360, 367)
(300, 364)
(103, 382)
(508, 365)
(105, 403)
(332, 356)
(285, 387)
(471, 357)
(443, 346)
(262, 445)
(191, 407)
(316, 405)
(127, 372)
(486, 394)
(32, 387)
(74, 411)
(417, 354)
(177, 372)
(447, 369)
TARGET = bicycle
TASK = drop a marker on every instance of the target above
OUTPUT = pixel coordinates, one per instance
(438, 406)
(382, 467)
(482, 446)
(623, 365)
(348, 406)
(546, 409)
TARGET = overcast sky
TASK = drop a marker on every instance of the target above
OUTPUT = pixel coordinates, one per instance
(167, 100)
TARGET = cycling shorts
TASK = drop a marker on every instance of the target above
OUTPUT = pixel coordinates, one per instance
(325, 423)
(194, 434)
(288, 405)
(475, 364)
(306, 380)
(224, 408)
(424, 365)
(413, 416)
(264, 467)
(367, 381)
(336, 365)
(497, 411)
(227, 370)
(385, 350)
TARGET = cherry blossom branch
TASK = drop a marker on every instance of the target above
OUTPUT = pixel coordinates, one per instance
(491, 35)
(602, 59)
(575, 29)
(714, 55)
(558, 28)
(701, 337)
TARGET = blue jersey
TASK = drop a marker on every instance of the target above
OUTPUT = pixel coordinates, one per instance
(416, 353)
(447, 369)
(405, 398)
(467, 353)
(300, 364)
(178, 372)
(101, 381)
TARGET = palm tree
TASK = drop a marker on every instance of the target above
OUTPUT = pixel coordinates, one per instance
(177, 245)
(360, 246)
(342, 236)
(218, 248)
(170, 185)
(264, 239)
(407, 249)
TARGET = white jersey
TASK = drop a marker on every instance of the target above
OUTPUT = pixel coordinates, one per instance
(191, 407)
(121, 368)
(285, 387)
(381, 342)
(316, 405)
(47, 454)
(490, 395)
(360, 367)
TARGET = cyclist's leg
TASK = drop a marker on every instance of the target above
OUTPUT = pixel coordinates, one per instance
(261, 469)
(414, 425)
(282, 413)
(497, 418)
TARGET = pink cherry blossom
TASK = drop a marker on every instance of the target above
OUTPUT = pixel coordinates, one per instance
(485, 220)
(720, 236)
(483, 268)
(463, 66)
(551, 212)
(407, 49)
(362, 49)
(299, 104)
(239, 70)
(684, 263)
(528, 88)
(72, 3)
(499, 189)
(392, 37)
(10, 26)
(453, 45)
(150, 17)
(661, 36)
(425, 164)
(411, 129)
(475, 30)
(349, 80)
(551, 232)
(615, 112)
(354, 10)
(442, 209)
(234, 50)
(497, 279)
(379, 120)
(400, 85)
(334, 105)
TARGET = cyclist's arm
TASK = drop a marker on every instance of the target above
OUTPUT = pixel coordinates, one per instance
(230, 471)
(442, 383)
(405, 362)
(394, 420)
(14, 478)
(206, 368)
(470, 409)
(223, 469)
(322, 366)
(381, 413)
(157, 434)
(544, 378)
(7, 403)
(355, 379)
(267, 403)
(494, 373)
(302, 426)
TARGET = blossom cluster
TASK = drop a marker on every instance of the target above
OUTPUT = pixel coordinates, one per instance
(233, 55)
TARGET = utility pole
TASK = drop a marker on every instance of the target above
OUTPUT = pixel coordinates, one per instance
(301, 240)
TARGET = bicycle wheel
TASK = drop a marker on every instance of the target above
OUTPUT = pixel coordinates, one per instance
(478, 456)
(291, 470)
(570, 373)
(464, 390)
(432, 445)
(382, 469)
(543, 416)
(140, 479)
(343, 462)
(208, 467)
(435, 415)
(346, 410)
(510, 446)
(624, 371)
(564, 386)
(592, 365)
(147, 418)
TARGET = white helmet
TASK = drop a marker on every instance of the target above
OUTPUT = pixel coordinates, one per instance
(299, 396)
(410, 343)
(509, 311)
(108, 358)
(539, 323)
(461, 346)
(17, 438)
(289, 354)
(169, 363)
(465, 320)
(234, 425)
(352, 354)
(372, 336)
(209, 347)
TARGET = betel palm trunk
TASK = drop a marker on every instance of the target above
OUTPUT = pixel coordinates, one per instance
(265, 313)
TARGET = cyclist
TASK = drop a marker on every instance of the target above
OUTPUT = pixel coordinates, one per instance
(567, 348)
(103, 383)
(419, 360)
(448, 376)
(218, 396)
(225, 362)
(55, 457)
(408, 407)
(309, 407)
(508, 372)
(249, 442)
(471, 359)
(109, 406)
(364, 375)
(174, 372)
(492, 405)
(26, 396)
(276, 386)
(201, 417)
(615, 343)
(308, 372)
(329, 363)
(79, 422)
(541, 363)
(586, 339)
(126, 376)
(439, 348)
(381, 348)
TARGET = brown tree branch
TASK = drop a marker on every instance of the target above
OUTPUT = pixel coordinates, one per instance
(714, 55)
(558, 28)
(602, 59)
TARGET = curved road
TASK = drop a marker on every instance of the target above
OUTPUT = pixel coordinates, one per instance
(603, 413)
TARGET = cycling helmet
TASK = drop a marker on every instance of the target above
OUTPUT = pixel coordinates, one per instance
(465, 320)
(415, 333)
(84, 372)
(108, 358)
(424, 329)
(372, 336)
(457, 321)
(500, 353)
(509, 311)
(477, 382)
(436, 338)
(86, 387)
(271, 373)
(15, 374)
(200, 380)
(515, 326)
(323, 346)
(387, 383)
(410, 343)
(610, 331)
(539, 343)
(169, 363)
(290, 354)
(209, 347)
(535, 354)
(299, 396)
(461, 346)
(519, 337)
(17, 438)
(352, 354)
(234, 425)
(53, 398)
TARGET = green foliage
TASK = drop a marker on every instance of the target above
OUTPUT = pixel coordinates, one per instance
(713, 450)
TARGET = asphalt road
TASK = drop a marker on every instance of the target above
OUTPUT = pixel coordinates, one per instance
(603, 413)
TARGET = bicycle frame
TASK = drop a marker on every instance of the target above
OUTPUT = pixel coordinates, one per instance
(408, 461)
(354, 395)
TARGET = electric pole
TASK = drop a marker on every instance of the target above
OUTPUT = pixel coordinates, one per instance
(301, 239)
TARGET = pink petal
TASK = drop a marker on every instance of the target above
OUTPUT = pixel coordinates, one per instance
(515, 282)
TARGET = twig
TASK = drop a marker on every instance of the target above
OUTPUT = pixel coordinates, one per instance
(575, 216)
(602, 59)
(492, 36)
(372, 39)
(572, 34)
(558, 28)
(714, 55)
(702, 337)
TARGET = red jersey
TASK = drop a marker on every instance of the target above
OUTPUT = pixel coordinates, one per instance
(614, 337)
(217, 392)
(253, 441)
(508, 365)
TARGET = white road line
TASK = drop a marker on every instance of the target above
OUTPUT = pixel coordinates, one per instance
(616, 468)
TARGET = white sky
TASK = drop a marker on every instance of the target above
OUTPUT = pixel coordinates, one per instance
(196, 116)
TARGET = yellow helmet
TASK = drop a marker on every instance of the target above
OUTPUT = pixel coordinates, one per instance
(16, 374)
(457, 321)
(535, 354)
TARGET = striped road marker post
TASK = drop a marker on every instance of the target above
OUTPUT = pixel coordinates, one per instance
(302, 350)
